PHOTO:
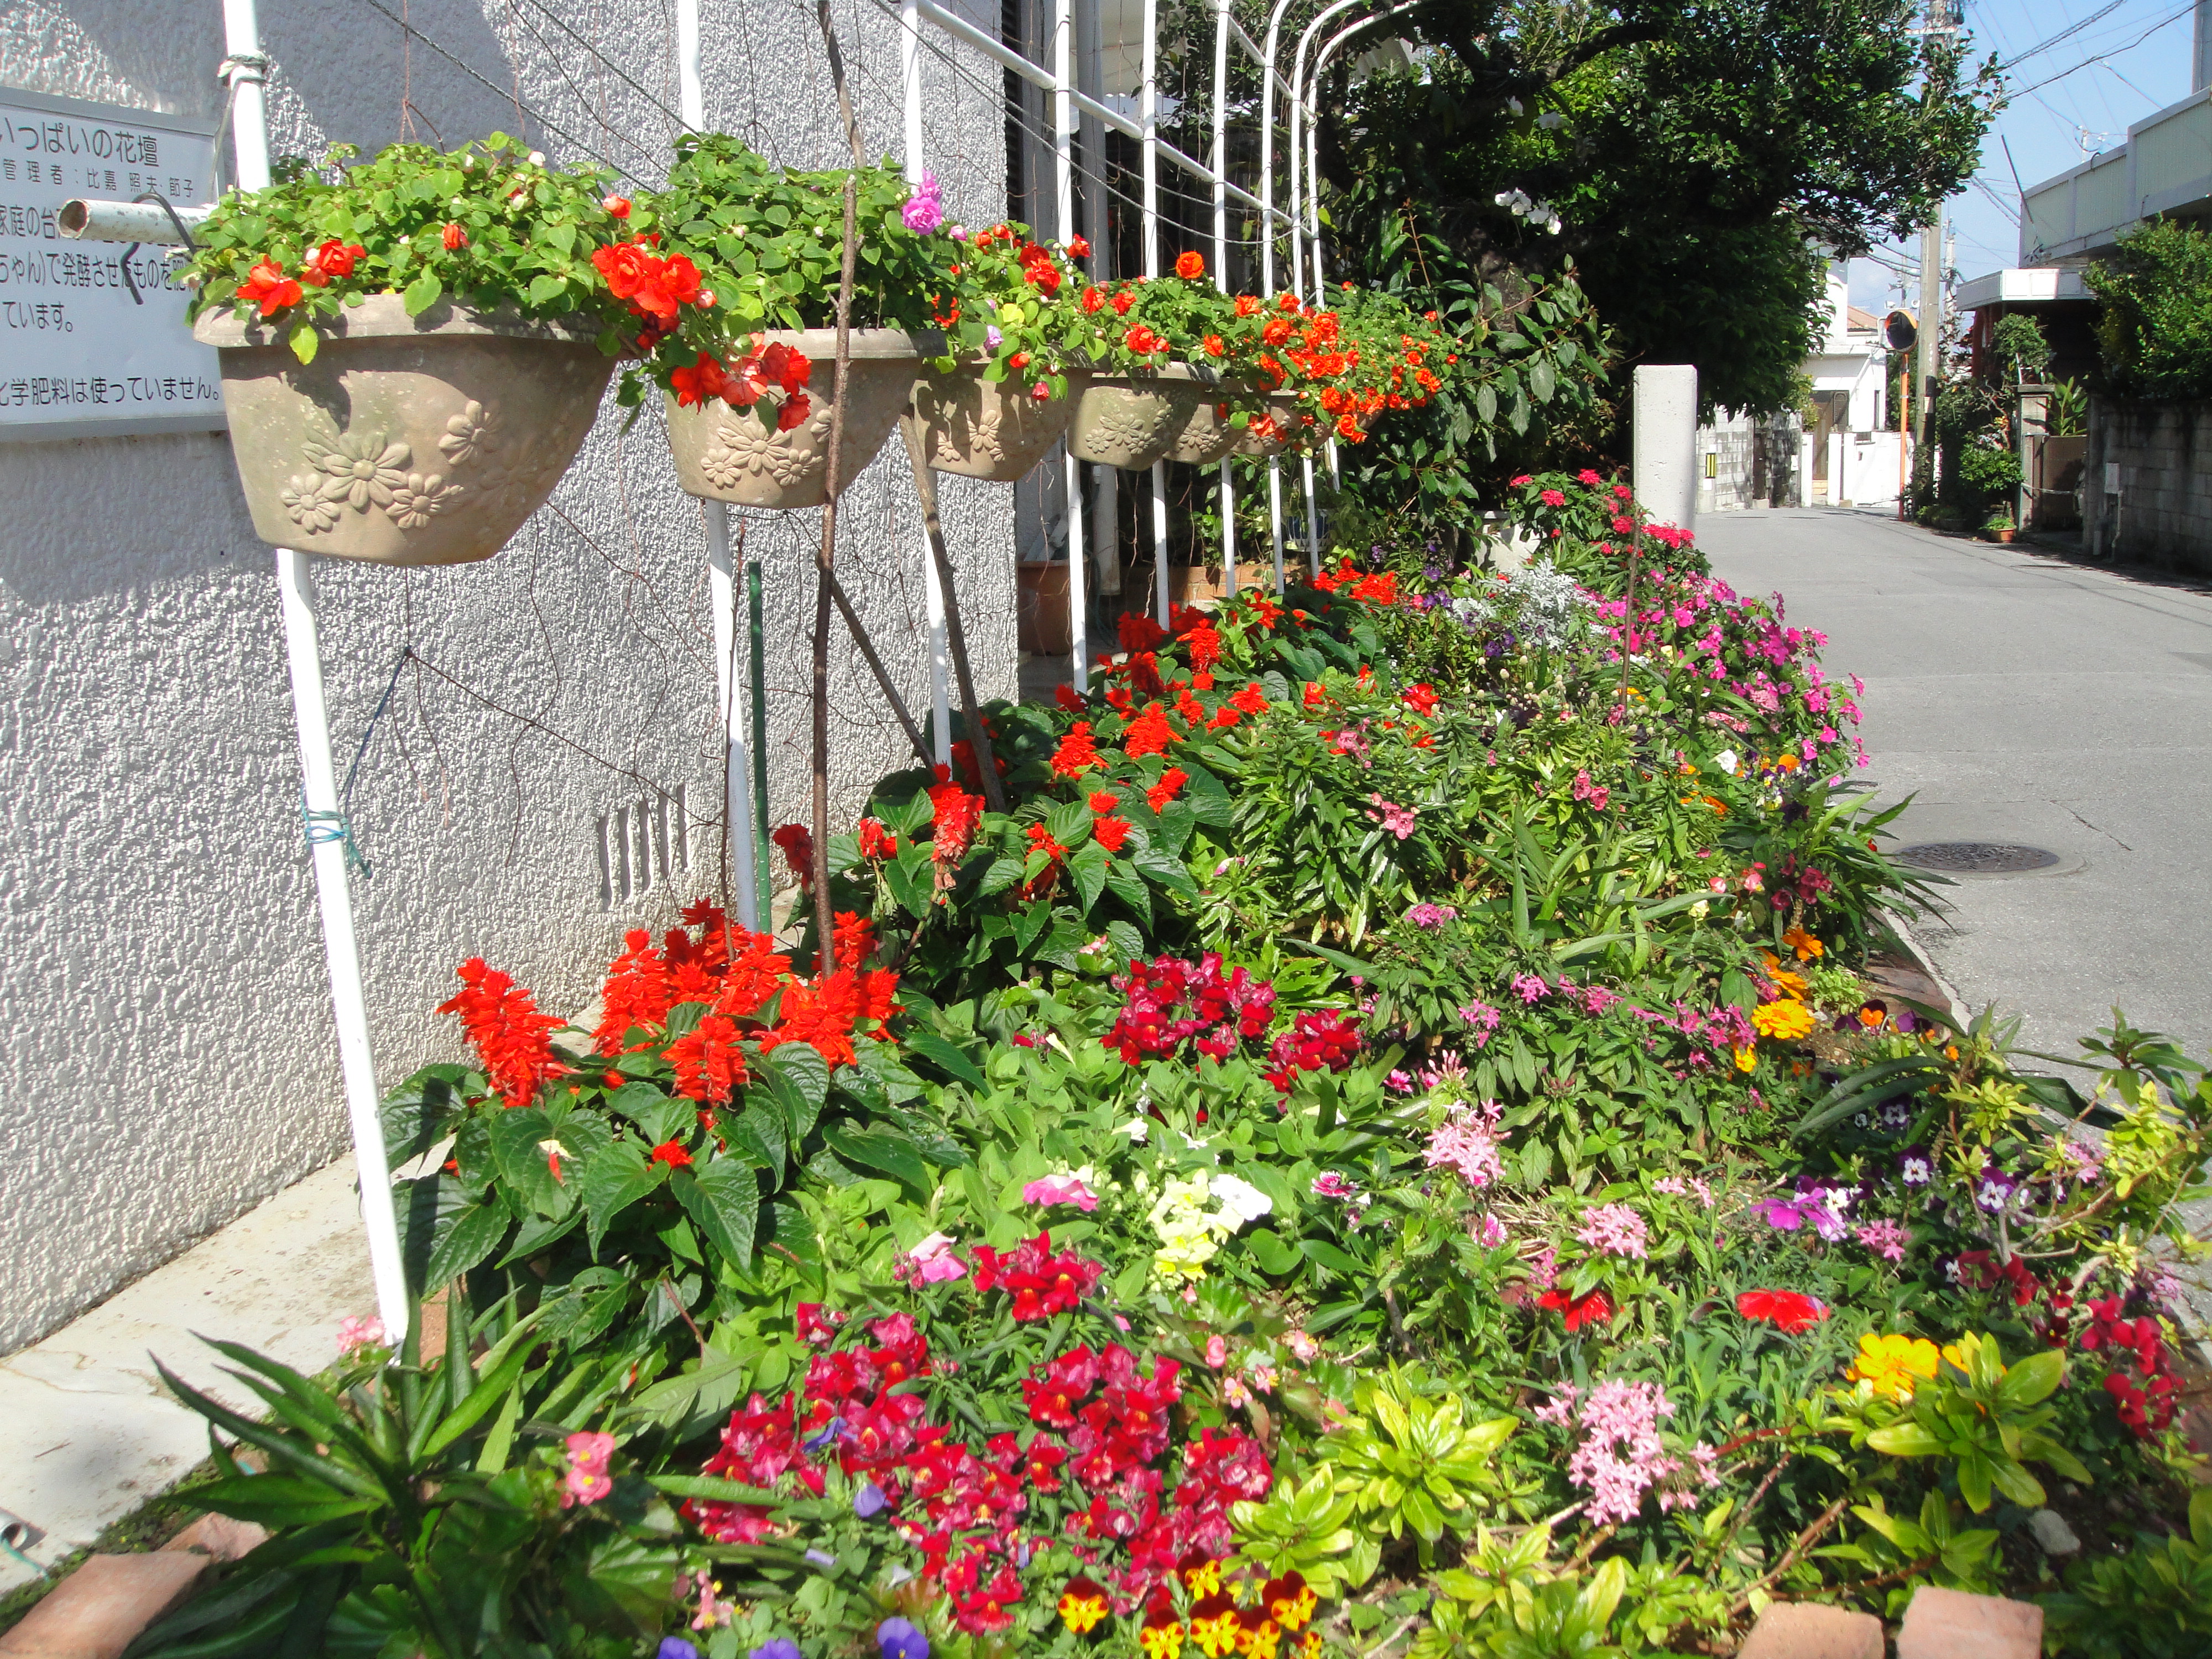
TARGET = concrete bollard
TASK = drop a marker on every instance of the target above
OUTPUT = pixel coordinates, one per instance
(1664, 441)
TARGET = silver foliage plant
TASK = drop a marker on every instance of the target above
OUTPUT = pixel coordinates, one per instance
(1541, 606)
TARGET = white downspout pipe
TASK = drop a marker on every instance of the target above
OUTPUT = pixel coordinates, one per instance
(1221, 261)
(295, 594)
(1267, 255)
(1149, 117)
(738, 833)
(940, 660)
(1063, 152)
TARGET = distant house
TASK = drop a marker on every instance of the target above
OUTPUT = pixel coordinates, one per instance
(1836, 453)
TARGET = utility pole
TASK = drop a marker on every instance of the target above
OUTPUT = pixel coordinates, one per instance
(1939, 18)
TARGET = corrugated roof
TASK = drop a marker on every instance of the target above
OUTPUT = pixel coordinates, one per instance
(1856, 318)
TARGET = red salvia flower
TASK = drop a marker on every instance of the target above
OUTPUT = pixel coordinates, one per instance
(673, 1153)
(635, 993)
(855, 939)
(1148, 734)
(1078, 752)
(508, 1033)
(798, 844)
(1169, 785)
(709, 1065)
(1111, 833)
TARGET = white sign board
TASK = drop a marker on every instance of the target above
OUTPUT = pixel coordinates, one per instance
(79, 355)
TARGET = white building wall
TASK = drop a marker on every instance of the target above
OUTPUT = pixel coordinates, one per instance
(169, 1046)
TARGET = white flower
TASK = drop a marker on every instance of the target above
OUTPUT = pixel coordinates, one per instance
(1551, 120)
(1242, 1199)
(537, 158)
(1513, 104)
(1699, 909)
(1138, 1129)
(1726, 760)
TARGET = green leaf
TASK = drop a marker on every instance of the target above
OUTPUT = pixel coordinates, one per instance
(948, 1059)
(801, 1066)
(1275, 1258)
(724, 1199)
(2032, 1380)
(422, 293)
(304, 342)
(616, 1177)
(281, 1500)
(892, 1154)
(1906, 1439)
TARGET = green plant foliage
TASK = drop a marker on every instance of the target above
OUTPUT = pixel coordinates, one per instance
(2155, 331)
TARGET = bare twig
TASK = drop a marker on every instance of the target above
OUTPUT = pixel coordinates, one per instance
(876, 663)
(1805, 1540)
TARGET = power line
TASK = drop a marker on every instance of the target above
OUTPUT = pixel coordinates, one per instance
(2187, 11)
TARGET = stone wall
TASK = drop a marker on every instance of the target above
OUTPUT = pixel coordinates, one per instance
(171, 1059)
(2147, 483)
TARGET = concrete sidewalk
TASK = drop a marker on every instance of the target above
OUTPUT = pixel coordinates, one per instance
(91, 1434)
(2019, 696)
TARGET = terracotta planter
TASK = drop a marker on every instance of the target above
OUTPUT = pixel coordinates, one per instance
(408, 440)
(1131, 420)
(727, 454)
(1285, 409)
(981, 429)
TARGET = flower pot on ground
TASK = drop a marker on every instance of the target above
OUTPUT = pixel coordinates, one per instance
(406, 441)
(746, 452)
(993, 429)
(1131, 420)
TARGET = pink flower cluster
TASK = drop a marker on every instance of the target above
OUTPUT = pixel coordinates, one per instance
(1887, 1239)
(1595, 794)
(1171, 1002)
(1613, 1229)
(1621, 1455)
(1395, 819)
(1467, 1142)
(586, 1480)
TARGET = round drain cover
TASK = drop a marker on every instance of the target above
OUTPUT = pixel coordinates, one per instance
(1977, 857)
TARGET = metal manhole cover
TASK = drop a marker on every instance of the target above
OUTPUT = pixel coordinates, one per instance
(1978, 857)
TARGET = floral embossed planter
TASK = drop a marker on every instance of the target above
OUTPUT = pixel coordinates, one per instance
(1130, 422)
(984, 429)
(408, 440)
(1283, 409)
(731, 454)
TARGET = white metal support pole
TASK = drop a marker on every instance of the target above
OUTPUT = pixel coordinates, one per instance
(1267, 253)
(1149, 116)
(327, 845)
(738, 838)
(932, 588)
(1063, 155)
(1221, 261)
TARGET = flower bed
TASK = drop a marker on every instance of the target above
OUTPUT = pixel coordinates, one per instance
(1382, 1149)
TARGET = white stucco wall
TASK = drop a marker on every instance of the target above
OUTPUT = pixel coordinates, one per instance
(169, 1051)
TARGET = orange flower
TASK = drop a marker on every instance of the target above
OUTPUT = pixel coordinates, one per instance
(453, 236)
(267, 287)
(1215, 347)
(1169, 785)
(1078, 752)
(1190, 266)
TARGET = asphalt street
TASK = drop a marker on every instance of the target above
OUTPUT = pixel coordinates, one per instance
(2024, 697)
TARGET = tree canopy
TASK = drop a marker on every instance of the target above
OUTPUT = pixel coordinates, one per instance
(1692, 158)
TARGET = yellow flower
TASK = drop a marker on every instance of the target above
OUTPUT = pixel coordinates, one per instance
(1785, 1021)
(1162, 1641)
(1804, 944)
(1747, 1058)
(1203, 1579)
(1215, 1626)
(1082, 1605)
(1794, 984)
(1892, 1363)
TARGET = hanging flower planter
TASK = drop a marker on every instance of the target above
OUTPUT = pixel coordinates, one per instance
(406, 441)
(1131, 421)
(997, 430)
(745, 454)
(1272, 429)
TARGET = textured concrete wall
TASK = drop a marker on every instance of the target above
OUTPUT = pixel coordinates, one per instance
(2160, 512)
(1665, 444)
(169, 1041)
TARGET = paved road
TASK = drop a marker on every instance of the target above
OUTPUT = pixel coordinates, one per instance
(2022, 698)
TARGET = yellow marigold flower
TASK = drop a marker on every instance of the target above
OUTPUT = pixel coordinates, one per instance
(1892, 1364)
(1785, 1021)
(1747, 1058)
(1162, 1641)
(1792, 983)
(1082, 1605)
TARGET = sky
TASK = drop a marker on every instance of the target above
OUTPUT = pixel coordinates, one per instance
(2071, 97)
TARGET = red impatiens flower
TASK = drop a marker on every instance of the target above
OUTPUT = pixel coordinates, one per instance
(510, 1035)
(453, 236)
(268, 287)
(1190, 266)
(1788, 1311)
(1591, 1310)
(1421, 698)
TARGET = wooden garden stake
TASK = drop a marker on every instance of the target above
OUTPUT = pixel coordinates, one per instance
(924, 483)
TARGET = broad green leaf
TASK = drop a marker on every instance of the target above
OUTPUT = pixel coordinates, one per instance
(724, 1197)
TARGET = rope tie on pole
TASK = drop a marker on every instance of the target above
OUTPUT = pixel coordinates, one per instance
(325, 828)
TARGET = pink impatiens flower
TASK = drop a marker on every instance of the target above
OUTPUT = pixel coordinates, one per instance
(355, 1334)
